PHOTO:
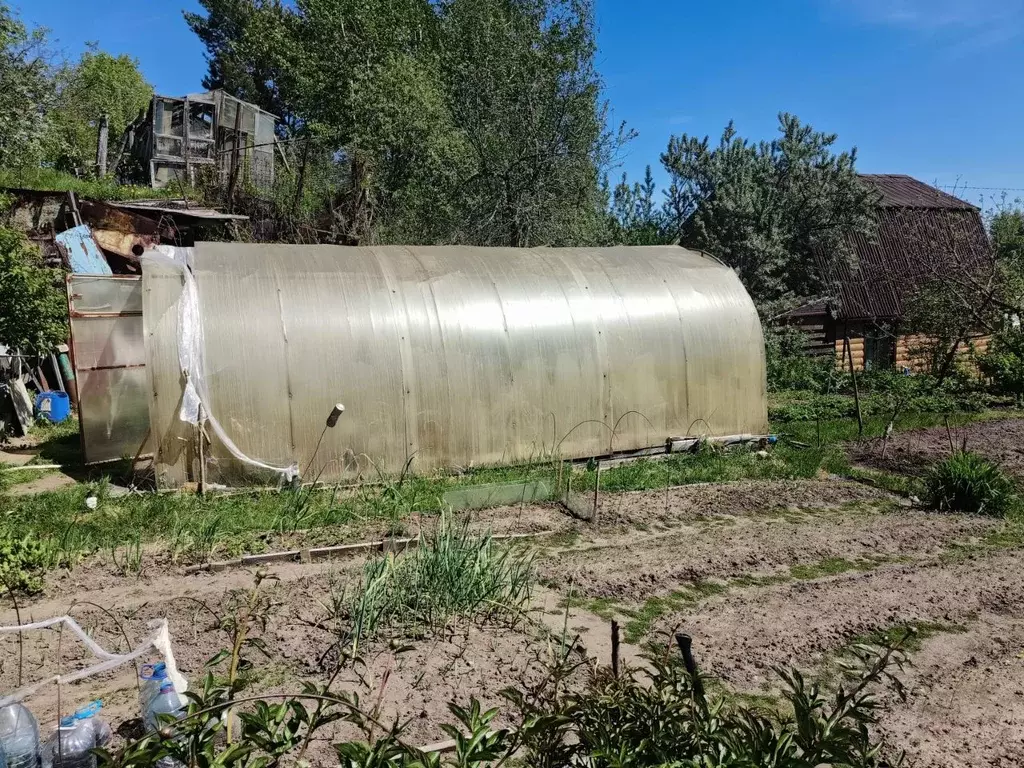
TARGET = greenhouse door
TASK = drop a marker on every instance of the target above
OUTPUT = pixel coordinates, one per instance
(108, 352)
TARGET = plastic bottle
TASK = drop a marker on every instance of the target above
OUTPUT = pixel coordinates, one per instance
(89, 717)
(70, 745)
(166, 702)
(153, 676)
(19, 736)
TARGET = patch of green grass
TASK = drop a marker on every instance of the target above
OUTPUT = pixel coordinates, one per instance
(605, 607)
(1009, 535)
(563, 539)
(714, 465)
(833, 566)
(760, 581)
(843, 430)
(920, 631)
(641, 619)
(203, 527)
(51, 180)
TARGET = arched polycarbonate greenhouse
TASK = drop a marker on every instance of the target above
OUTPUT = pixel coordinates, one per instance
(442, 356)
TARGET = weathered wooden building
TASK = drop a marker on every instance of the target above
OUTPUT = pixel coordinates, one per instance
(215, 133)
(922, 234)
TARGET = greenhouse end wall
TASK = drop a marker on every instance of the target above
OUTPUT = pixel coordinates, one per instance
(448, 357)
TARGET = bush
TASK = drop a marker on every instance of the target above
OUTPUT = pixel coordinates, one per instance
(33, 305)
(967, 482)
(1003, 363)
(23, 561)
(790, 365)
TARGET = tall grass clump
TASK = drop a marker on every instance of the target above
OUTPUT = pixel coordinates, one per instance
(453, 572)
(967, 482)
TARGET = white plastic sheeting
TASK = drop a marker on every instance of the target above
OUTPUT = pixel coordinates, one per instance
(195, 408)
(159, 640)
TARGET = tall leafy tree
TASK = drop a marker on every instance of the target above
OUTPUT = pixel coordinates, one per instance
(26, 90)
(472, 121)
(99, 84)
(768, 208)
(525, 93)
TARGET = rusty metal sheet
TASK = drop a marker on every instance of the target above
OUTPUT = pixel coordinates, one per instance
(452, 356)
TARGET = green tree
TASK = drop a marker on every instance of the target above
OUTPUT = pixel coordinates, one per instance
(251, 51)
(26, 90)
(99, 84)
(33, 310)
(525, 92)
(769, 209)
(634, 218)
(465, 121)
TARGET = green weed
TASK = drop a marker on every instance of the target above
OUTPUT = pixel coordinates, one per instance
(128, 558)
(643, 618)
(968, 482)
(23, 562)
(451, 573)
(915, 632)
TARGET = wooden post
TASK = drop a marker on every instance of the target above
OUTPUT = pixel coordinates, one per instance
(615, 648)
(202, 454)
(856, 390)
(597, 491)
(101, 147)
(233, 178)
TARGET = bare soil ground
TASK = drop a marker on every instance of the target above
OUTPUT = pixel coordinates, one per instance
(800, 570)
(913, 452)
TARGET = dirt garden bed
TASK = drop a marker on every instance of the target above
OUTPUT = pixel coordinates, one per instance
(911, 453)
(760, 573)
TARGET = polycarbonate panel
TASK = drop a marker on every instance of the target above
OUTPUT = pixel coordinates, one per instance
(170, 436)
(108, 342)
(458, 356)
(114, 405)
(91, 294)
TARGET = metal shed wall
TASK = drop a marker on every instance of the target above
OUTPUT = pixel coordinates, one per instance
(455, 356)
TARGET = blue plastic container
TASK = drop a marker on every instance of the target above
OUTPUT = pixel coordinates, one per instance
(53, 406)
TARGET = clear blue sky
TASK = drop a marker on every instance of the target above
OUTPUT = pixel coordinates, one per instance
(932, 88)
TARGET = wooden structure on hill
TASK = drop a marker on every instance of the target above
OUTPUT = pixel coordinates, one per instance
(212, 133)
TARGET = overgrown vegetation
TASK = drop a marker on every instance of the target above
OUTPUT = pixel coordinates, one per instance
(24, 561)
(968, 482)
(33, 306)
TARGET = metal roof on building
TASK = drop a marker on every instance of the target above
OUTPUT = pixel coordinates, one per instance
(922, 233)
(901, 191)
